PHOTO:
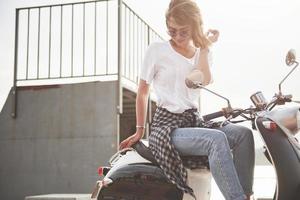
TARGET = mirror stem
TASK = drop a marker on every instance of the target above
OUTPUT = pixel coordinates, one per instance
(228, 102)
(287, 76)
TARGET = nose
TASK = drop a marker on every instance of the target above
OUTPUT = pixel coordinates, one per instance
(178, 38)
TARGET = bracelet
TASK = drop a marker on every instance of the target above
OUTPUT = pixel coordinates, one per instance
(205, 50)
(140, 127)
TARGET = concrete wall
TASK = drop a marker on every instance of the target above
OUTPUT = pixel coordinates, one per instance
(60, 136)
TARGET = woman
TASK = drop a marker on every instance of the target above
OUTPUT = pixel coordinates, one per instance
(176, 127)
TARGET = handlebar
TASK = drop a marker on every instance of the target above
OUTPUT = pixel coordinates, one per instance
(288, 98)
(213, 115)
(229, 113)
(248, 113)
(279, 99)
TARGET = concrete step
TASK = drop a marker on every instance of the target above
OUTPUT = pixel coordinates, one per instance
(60, 197)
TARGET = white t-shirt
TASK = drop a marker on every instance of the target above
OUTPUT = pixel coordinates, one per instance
(167, 69)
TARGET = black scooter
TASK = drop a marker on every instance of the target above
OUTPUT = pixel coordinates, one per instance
(134, 174)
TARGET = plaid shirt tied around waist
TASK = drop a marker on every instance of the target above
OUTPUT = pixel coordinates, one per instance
(164, 122)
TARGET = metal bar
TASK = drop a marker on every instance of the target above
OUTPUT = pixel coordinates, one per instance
(14, 89)
(133, 45)
(56, 5)
(145, 39)
(141, 45)
(83, 47)
(141, 19)
(95, 41)
(50, 32)
(138, 49)
(106, 37)
(28, 32)
(120, 93)
(120, 89)
(61, 32)
(130, 53)
(133, 12)
(125, 42)
(72, 43)
(149, 98)
(129, 80)
(38, 46)
(287, 76)
(67, 77)
(148, 35)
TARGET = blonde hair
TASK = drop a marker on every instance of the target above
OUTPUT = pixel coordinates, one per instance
(186, 12)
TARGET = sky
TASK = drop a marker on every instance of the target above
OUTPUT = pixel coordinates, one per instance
(249, 56)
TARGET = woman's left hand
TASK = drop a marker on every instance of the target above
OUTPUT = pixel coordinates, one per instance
(131, 140)
(213, 35)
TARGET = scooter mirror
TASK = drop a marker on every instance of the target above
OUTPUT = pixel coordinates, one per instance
(194, 79)
(290, 57)
(290, 60)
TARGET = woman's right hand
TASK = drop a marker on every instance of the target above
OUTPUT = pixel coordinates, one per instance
(131, 140)
(213, 35)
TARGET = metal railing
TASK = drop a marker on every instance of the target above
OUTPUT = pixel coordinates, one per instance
(56, 41)
(137, 35)
(77, 40)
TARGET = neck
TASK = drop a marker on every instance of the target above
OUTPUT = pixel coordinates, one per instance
(188, 47)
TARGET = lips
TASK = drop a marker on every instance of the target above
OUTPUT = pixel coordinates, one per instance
(179, 42)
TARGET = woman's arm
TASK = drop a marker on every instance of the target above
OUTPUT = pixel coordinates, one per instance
(203, 66)
(141, 103)
(141, 111)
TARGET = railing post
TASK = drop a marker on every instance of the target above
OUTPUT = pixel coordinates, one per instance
(120, 96)
(14, 88)
(149, 118)
(119, 89)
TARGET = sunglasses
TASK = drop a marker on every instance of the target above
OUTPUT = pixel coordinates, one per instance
(182, 33)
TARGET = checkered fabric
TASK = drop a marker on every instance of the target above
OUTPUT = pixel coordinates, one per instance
(164, 122)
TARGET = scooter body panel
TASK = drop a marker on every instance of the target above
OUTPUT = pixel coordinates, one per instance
(284, 159)
(135, 178)
(139, 181)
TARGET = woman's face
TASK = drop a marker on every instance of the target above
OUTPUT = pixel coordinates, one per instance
(180, 35)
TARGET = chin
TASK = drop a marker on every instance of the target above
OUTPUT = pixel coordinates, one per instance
(182, 43)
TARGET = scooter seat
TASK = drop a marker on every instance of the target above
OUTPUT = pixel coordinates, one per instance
(145, 152)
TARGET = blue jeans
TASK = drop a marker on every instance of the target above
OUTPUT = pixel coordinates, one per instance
(232, 170)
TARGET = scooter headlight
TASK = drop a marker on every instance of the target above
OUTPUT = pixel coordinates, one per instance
(292, 122)
(259, 100)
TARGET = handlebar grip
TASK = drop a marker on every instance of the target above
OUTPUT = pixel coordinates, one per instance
(213, 115)
(288, 97)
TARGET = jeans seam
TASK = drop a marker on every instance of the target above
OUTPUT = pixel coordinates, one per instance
(222, 173)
